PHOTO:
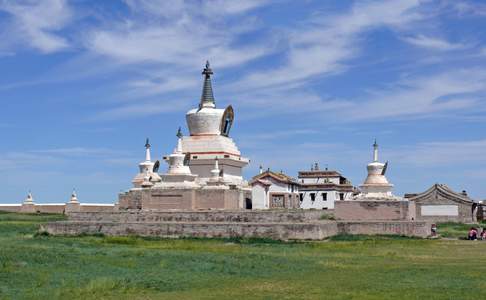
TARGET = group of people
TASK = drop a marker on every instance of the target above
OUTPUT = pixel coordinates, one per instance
(473, 234)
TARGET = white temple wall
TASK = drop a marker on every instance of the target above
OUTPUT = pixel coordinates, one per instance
(259, 197)
(203, 170)
(319, 203)
(261, 194)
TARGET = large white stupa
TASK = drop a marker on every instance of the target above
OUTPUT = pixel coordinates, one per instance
(204, 170)
(376, 185)
(209, 129)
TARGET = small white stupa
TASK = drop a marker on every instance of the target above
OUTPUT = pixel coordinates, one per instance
(29, 199)
(376, 186)
(176, 159)
(74, 198)
(216, 172)
(178, 174)
(146, 167)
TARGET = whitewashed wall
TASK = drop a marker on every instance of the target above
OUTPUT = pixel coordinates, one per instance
(260, 196)
(318, 203)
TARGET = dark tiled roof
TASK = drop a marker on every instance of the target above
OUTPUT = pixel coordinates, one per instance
(277, 176)
(319, 173)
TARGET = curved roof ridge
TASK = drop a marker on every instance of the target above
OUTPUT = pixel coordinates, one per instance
(445, 189)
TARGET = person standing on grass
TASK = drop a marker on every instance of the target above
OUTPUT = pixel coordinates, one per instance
(433, 230)
(483, 234)
(473, 234)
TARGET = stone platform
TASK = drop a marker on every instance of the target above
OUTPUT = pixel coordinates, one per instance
(279, 225)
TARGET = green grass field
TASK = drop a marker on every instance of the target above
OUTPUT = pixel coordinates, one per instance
(45, 267)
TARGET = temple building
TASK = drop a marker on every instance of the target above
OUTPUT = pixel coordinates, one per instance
(274, 190)
(376, 185)
(320, 189)
(441, 204)
(204, 170)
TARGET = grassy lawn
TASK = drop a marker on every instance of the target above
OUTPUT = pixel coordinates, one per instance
(36, 266)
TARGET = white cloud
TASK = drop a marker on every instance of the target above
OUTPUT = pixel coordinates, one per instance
(455, 92)
(135, 110)
(36, 24)
(441, 154)
(433, 43)
(78, 151)
(56, 158)
(423, 96)
(210, 8)
(181, 34)
(326, 43)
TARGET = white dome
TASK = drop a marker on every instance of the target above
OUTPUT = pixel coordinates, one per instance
(205, 121)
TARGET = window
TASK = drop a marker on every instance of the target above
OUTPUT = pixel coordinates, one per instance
(313, 196)
(324, 196)
(301, 197)
(341, 196)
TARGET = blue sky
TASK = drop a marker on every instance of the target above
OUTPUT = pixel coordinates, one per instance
(83, 83)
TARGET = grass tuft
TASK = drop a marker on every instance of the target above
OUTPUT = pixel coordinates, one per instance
(363, 237)
(327, 217)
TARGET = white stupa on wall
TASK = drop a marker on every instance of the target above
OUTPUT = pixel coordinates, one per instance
(146, 168)
(376, 185)
(204, 170)
(209, 129)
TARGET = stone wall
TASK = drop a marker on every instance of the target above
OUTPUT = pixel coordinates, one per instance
(183, 199)
(282, 225)
(465, 214)
(10, 207)
(59, 208)
(50, 208)
(441, 204)
(278, 231)
(406, 228)
(267, 216)
(371, 210)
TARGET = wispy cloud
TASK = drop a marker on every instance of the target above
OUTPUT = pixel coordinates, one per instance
(182, 34)
(410, 98)
(442, 154)
(422, 96)
(325, 44)
(134, 110)
(36, 24)
(433, 43)
(55, 157)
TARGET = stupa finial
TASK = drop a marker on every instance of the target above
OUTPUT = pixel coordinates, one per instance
(147, 150)
(207, 97)
(375, 151)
